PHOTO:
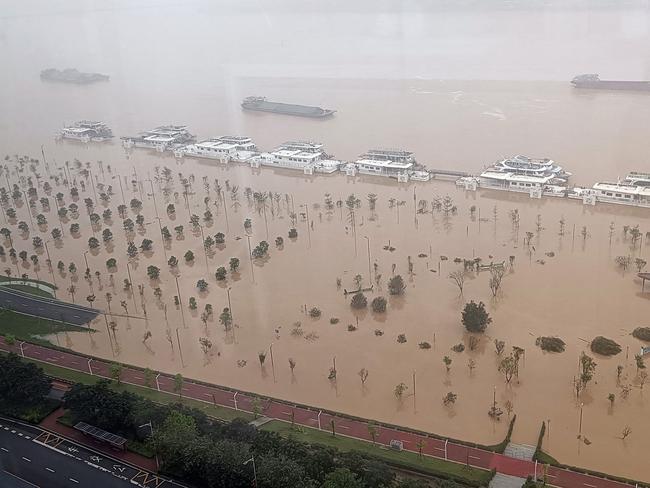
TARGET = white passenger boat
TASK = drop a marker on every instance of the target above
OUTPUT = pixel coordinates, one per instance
(623, 193)
(394, 163)
(86, 131)
(523, 165)
(223, 148)
(308, 157)
(163, 138)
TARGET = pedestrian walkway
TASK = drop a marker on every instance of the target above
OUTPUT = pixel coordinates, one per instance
(506, 481)
(315, 418)
(520, 451)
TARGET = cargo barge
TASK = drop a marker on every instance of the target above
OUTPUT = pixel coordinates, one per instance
(260, 104)
(72, 76)
(593, 81)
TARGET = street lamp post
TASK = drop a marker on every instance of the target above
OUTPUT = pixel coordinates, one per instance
(308, 227)
(50, 267)
(128, 270)
(580, 425)
(205, 251)
(252, 459)
(29, 209)
(153, 194)
(272, 362)
(250, 257)
(180, 301)
(368, 241)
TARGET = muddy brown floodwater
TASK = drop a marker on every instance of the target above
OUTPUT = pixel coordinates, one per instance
(567, 286)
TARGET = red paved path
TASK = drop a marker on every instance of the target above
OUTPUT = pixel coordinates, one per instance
(309, 417)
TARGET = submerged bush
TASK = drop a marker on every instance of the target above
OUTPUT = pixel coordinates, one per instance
(606, 347)
(642, 333)
(550, 344)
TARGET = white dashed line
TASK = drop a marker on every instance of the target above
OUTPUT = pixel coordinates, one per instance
(27, 459)
(50, 470)
(474, 457)
(20, 434)
(5, 450)
(73, 480)
(590, 486)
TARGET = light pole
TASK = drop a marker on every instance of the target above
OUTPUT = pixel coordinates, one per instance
(50, 267)
(580, 425)
(29, 210)
(180, 301)
(250, 257)
(308, 229)
(178, 338)
(272, 363)
(205, 251)
(153, 194)
(368, 241)
(252, 460)
(128, 270)
(150, 425)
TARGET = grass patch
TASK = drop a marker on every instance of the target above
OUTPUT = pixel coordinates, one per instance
(545, 458)
(28, 328)
(217, 412)
(31, 290)
(30, 280)
(604, 346)
(408, 460)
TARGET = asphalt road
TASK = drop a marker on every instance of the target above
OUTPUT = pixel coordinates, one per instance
(47, 308)
(32, 457)
(313, 417)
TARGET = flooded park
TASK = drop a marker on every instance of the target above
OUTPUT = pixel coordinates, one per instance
(344, 292)
(179, 269)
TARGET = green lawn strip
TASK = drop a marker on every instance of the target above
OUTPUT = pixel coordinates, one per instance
(404, 459)
(217, 412)
(31, 290)
(545, 458)
(29, 328)
(31, 280)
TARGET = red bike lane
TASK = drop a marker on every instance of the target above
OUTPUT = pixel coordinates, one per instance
(313, 417)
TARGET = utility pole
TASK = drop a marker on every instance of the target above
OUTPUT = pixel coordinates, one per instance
(368, 241)
(178, 338)
(128, 270)
(250, 257)
(180, 301)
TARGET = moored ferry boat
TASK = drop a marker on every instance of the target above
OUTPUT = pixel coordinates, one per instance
(522, 174)
(309, 157)
(622, 193)
(163, 138)
(86, 131)
(395, 163)
(523, 165)
(224, 148)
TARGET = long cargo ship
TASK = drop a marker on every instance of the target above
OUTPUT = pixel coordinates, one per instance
(260, 104)
(593, 81)
(72, 76)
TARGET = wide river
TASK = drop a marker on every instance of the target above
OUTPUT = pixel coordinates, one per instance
(461, 87)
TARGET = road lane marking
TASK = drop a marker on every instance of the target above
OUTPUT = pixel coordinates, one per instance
(590, 486)
(475, 457)
(27, 459)
(5, 450)
(20, 434)
(73, 480)
(50, 470)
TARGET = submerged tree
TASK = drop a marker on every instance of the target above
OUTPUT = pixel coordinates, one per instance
(475, 318)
